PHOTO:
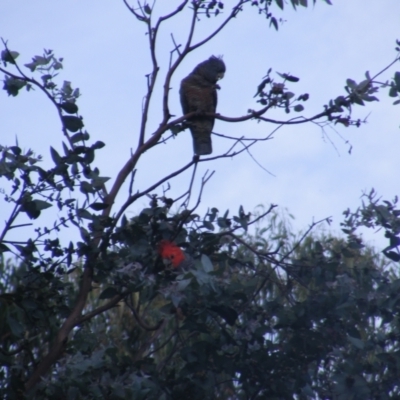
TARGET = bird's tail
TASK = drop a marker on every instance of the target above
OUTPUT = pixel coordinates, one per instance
(202, 144)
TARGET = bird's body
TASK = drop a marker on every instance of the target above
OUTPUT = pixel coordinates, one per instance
(198, 93)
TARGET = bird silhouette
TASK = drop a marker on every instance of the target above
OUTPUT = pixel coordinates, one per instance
(198, 93)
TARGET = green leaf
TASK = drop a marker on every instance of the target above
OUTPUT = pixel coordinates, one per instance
(288, 77)
(41, 205)
(83, 213)
(397, 80)
(12, 86)
(29, 304)
(72, 124)
(55, 156)
(108, 293)
(183, 284)
(89, 156)
(77, 137)
(356, 99)
(9, 56)
(86, 187)
(99, 206)
(351, 84)
(307, 390)
(57, 65)
(304, 97)
(208, 225)
(363, 85)
(15, 327)
(206, 263)
(393, 91)
(3, 248)
(392, 255)
(66, 88)
(32, 66)
(98, 145)
(73, 393)
(223, 222)
(279, 3)
(85, 235)
(40, 60)
(29, 207)
(274, 22)
(69, 107)
(298, 108)
(99, 181)
(66, 150)
(16, 150)
(366, 97)
(356, 342)
(202, 277)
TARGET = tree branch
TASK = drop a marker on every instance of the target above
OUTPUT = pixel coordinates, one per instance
(112, 303)
(152, 33)
(234, 12)
(60, 342)
(141, 322)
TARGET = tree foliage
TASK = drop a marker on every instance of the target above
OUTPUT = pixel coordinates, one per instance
(239, 307)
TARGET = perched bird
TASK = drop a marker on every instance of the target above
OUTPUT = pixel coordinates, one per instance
(174, 256)
(199, 93)
(171, 252)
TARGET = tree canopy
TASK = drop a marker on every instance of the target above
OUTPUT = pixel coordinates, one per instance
(170, 304)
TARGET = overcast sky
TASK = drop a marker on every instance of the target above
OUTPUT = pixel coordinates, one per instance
(312, 174)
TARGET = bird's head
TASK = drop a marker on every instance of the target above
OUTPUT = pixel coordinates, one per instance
(212, 69)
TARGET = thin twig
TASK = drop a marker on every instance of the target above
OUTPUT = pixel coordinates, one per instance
(234, 12)
(141, 322)
(190, 185)
(110, 304)
(310, 228)
(133, 173)
(136, 196)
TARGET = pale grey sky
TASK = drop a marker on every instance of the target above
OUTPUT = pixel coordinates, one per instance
(106, 55)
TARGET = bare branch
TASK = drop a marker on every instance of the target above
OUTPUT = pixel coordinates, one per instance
(133, 11)
(254, 159)
(136, 196)
(152, 34)
(133, 173)
(310, 228)
(61, 339)
(189, 191)
(385, 69)
(175, 49)
(234, 12)
(173, 13)
(110, 304)
(141, 322)
(191, 31)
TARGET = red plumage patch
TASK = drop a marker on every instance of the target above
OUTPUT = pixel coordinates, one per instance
(172, 252)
